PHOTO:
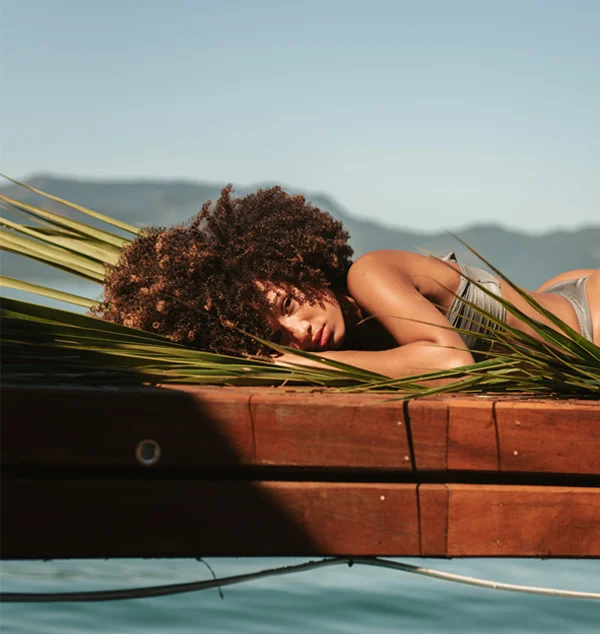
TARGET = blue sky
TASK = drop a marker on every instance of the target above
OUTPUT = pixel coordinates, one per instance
(426, 114)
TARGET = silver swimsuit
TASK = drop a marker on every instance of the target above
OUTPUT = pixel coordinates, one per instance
(574, 292)
(465, 317)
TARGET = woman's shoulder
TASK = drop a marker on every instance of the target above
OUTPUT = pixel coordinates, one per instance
(405, 261)
(424, 272)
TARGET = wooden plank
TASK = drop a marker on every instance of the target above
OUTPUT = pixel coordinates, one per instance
(429, 429)
(336, 430)
(433, 519)
(102, 427)
(500, 434)
(201, 427)
(563, 438)
(523, 521)
(186, 518)
(213, 427)
(472, 439)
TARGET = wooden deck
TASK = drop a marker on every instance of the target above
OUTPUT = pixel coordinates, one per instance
(190, 472)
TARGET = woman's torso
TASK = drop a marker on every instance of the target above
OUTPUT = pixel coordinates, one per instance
(439, 280)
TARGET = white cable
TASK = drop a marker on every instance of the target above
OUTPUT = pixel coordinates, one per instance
(480, 583)
(194, 586)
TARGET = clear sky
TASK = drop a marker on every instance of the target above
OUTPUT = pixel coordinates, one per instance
(427, 114)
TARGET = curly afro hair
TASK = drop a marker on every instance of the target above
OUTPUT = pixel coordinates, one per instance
(196, 283)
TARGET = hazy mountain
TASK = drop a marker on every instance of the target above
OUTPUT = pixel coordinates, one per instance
(527, 259)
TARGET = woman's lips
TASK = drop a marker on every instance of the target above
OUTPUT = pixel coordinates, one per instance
(321, 338)
(325, 337)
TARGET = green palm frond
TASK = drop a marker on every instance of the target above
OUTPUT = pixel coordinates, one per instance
(39, 342)
(44, 291)
(84, 210)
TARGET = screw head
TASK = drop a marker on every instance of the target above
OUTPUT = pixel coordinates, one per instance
(147, 452)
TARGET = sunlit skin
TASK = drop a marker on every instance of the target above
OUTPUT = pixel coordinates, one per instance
(408, 296)
(295, 322)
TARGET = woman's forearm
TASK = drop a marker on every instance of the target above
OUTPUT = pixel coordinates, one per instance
(413, 358)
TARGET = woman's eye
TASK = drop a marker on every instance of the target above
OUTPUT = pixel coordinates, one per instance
(287, 304)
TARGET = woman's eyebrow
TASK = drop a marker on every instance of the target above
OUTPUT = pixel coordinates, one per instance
(279, 299)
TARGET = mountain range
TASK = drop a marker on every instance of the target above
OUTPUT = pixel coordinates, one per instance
(525, 258)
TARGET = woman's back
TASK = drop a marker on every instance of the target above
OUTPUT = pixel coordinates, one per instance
(438, 281)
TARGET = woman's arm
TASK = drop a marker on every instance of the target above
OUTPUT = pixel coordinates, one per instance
(382, 284)
(413, 358)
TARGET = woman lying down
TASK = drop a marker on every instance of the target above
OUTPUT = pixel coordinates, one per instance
(276, 267)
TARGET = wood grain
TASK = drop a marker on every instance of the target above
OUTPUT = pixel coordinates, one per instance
(101, 427)
(433, 516)
(261, 471)
(429, 429)
(333, 430)
(134, 518)
(523, 521)
(213, 427)
(563, 438)
(202, 427)
(170, 518)
(472, 440)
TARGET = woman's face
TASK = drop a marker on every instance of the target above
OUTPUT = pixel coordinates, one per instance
(298, 324)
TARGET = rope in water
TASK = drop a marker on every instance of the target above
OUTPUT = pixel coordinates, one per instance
(194, 586)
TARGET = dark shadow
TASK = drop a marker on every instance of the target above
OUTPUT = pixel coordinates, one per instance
(72, 486)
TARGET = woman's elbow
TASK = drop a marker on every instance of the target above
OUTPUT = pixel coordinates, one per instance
(453, 359)
(425, 357)
(444, 360)
(444, 357)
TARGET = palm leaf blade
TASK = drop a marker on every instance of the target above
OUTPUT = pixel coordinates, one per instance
(94, 214)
